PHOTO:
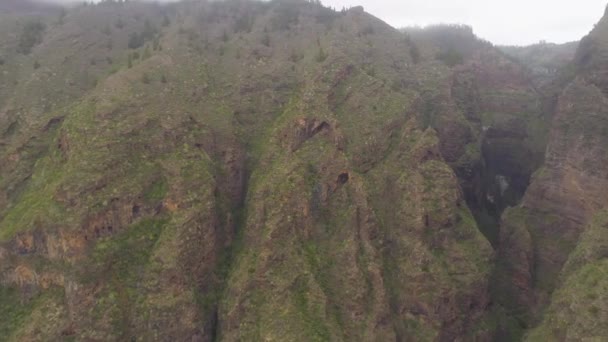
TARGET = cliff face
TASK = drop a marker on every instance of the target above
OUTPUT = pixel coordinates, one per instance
(224, 180)
(578, 305)
(281, 171)
(562, 210)
(490, 117)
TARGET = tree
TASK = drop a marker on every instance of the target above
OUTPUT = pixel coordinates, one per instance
(321, 55)
(135, 40)
(31, 35)
(166, 21)
(62, 15)
(414, 53)
(451, 57)
(266, 39)
(146, 53)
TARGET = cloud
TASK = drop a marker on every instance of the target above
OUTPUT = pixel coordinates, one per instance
(517, 22)
(501, 22)
(67, 2)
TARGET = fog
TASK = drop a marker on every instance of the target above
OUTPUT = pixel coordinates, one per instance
(514, 22)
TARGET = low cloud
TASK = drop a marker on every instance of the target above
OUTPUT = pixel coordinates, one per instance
(68, 2)
(516, 22)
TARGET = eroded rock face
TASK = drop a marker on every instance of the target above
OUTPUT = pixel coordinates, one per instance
(367, 247)
(538, 237)
(285, 172)
(580, 298)
(261, 194)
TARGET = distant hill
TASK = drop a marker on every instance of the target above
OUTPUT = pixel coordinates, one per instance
(544, 59)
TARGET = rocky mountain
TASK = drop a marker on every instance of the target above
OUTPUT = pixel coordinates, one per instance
(239, 170)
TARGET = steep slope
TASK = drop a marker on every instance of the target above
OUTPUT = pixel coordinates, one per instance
(245, 170)
(210, 176)
(578, 306)
(563, 203)
(489, 116)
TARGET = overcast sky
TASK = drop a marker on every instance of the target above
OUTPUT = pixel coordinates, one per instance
(518, 22)
(514, 22)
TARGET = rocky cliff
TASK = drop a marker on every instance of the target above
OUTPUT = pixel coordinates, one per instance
(552, 229)
(251, 171)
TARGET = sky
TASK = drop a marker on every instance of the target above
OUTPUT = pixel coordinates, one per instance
(503, 22)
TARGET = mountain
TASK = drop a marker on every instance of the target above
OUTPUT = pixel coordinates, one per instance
(545, 60)
(240, 170)
(554, 242)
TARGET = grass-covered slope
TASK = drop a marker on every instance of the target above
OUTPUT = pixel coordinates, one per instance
(578, 306)
(249, 171)
(226, 171)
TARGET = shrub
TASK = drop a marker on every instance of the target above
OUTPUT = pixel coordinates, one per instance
(321, 55)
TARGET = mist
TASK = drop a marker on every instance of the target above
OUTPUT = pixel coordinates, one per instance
(518, 22)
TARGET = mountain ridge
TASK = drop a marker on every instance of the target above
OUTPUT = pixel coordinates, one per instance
(282, 171)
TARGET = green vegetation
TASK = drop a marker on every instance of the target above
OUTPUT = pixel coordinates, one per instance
(451, 57)
(195, 170)
(31, 35)
(14, 311)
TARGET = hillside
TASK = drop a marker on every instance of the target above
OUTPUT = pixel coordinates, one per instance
(244, 170)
